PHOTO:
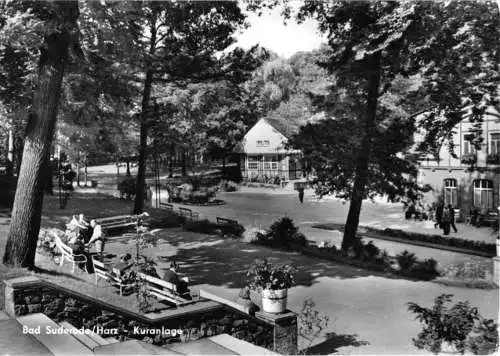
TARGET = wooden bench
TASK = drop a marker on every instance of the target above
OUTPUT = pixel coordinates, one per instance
(163, 290)
(115, 222)
(189, 214)
(102, 271)
(167, 206)
(67, 254)
(223, 221)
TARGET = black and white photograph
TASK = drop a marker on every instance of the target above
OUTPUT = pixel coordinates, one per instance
(249, 177)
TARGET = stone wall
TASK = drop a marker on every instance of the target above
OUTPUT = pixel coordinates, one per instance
(61, 306)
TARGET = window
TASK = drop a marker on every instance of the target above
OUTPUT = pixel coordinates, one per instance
(253, 163)
(495, 143)
(262, 143)
(271, 162)
(483, 194)
(450, 192)
(468, 147)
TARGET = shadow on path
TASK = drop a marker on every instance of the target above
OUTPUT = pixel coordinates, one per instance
(333, 342)
(224, 262)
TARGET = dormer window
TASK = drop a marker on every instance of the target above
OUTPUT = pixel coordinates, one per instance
(262, 143)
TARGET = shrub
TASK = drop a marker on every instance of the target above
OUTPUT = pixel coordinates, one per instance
(201, 226)
(406, 260)
(228, 186)
(370, 251)
(425, 269)
(283, 233)
(235, 230)
(266, 276)
(460, 326)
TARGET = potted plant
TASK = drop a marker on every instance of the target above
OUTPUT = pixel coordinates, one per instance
(272, 282)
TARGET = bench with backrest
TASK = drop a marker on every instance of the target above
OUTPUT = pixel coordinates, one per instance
(67, 254)
(116, 222)
(188, 214)
(102, 271)
(167, 206)
(223, 221)
(489, 218)
(163, 290)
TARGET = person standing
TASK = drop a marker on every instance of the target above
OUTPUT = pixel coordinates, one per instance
(149, 197)
(97, 238)
(301, 194)
(452, 218)
(446, 221)
(439, 215)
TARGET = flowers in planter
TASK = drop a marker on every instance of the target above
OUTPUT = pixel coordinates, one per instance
(469, 158)
(267, 276)
(493, 158)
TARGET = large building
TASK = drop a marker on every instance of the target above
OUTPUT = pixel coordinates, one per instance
(264, 156)
(472, 179)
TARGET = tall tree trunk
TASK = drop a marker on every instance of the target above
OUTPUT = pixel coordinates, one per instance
(26, 213)
(146, 96)
(362, 162)
(10, 154)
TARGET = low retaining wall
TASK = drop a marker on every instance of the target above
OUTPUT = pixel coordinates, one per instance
(209, 319)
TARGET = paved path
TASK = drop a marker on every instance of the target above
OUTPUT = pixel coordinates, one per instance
(255, 208)
(367, 310)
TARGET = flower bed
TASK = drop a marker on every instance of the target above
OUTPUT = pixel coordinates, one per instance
(480, 246)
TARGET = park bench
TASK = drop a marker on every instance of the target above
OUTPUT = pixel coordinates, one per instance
(67, 254)
(115, 222)
(167, 206)
(490, 218)
(163, 290)
(113, 277)
(223, 221)
(189, 214)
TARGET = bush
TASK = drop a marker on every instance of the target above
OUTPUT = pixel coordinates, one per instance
(442, 240)
(165, 219)
(370, 251)
(252, 235)
(210, 228)
(406, 260)
(459, 326)
(424, 270)
(228, 186)
(283, 233)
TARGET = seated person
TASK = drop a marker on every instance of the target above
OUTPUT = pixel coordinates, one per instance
(76, 244)
(97, 237)
(85, 229)
(172, 276)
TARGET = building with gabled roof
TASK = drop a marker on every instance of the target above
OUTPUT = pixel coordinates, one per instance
(264, 155)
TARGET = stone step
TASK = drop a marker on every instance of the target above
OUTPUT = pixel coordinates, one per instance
(240, 347)
(84, 338)
(46, 331)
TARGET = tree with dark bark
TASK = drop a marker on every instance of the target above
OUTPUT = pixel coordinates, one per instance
(371, 43)
(59, 38)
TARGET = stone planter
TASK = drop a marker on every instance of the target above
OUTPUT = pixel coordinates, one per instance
(274, 301)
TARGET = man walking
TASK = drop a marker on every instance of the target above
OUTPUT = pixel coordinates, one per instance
(301, 194)
(439, 215)
(452, 218)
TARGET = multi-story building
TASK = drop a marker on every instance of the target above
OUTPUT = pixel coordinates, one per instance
(472, 179)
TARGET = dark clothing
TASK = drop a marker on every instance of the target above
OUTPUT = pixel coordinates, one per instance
(301, 195)
(446, 228)
(182, 287)
(439, 216)
(452, 219)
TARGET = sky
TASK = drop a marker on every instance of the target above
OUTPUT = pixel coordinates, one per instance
(269, 31)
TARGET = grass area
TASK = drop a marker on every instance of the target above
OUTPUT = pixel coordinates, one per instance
(93, 206)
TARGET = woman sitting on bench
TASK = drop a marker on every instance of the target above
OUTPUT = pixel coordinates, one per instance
(172, 276)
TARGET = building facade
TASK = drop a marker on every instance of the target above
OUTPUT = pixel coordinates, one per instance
(264, 157)
(472, 179)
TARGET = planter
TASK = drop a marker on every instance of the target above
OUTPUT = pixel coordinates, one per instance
(498, 247)
(274, 301)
